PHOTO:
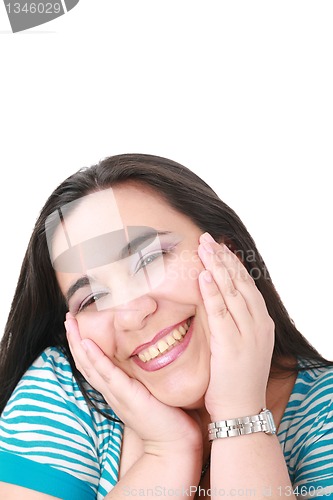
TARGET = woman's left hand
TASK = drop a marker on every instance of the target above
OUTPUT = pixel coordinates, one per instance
(242, 334)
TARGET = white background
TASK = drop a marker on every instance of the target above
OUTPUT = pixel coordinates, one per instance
(241, 92)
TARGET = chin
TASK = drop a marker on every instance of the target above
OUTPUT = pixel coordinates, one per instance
(195, 406)
(188, 404)
(182, 390)
(191, 399)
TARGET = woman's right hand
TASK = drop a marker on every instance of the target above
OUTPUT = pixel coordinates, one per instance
(163, 429)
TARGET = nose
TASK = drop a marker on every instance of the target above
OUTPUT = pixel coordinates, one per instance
(134, 314)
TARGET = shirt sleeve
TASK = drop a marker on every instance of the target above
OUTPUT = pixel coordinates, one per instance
(50, 440)
(314, 471)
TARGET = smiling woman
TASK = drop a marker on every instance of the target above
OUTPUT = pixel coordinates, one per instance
(148, 333)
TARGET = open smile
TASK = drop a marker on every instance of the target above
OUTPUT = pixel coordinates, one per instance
(166, 349)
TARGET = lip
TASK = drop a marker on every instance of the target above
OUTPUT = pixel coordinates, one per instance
(158, 336)
(167, 357)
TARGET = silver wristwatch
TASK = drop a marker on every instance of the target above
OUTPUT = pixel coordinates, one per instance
(263, 422)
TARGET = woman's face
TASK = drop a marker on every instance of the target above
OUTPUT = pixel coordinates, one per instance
(143, 308)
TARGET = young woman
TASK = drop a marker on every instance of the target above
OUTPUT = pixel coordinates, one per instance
(147, 352)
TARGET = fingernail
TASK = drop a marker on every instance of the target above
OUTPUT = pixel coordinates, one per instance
(207, 237)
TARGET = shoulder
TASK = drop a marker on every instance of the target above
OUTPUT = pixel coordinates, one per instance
(308, 415)
(48, 381)
(49, 385)
(314, 388)
(47, 422)
(52, 364)
(306, 431)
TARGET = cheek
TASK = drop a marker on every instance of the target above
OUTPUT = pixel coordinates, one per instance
(98, 326)
(182, 274)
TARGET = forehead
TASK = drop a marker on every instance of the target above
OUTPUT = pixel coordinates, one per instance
(107, 211)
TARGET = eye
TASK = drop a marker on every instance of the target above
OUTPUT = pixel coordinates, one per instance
(148, 259)
(91, 299)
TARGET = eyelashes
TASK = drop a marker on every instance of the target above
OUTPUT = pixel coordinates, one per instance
(89, 301)
(150, 258)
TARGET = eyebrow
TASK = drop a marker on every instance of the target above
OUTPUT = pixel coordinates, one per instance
(80, 283)
(133, 246)
(140, 242)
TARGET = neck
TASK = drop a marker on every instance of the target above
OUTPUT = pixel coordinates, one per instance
(278, 394)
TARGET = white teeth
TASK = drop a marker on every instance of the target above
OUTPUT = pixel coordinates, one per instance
(147, 356)
(170, 340)
(177, 335)
(182, 330)
(154, 352)
(164, 344)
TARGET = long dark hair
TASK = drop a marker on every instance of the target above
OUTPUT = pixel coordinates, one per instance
(38, 309)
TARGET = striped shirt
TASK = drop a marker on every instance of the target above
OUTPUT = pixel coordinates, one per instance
(51, 441)
(306, 433)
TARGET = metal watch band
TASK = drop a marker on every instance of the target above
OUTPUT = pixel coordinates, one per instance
(263, 422)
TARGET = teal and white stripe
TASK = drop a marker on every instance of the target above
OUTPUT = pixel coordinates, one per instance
(48, 422)
(306, 433)
(52, 442)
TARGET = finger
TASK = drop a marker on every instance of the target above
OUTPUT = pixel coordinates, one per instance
(240, 277)
(96, 367)
(224, 290)
(237, 270)
(129, 399)
(117, 388)
(109, 377)
(219, 318)
(242, 280)
(74, 342)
